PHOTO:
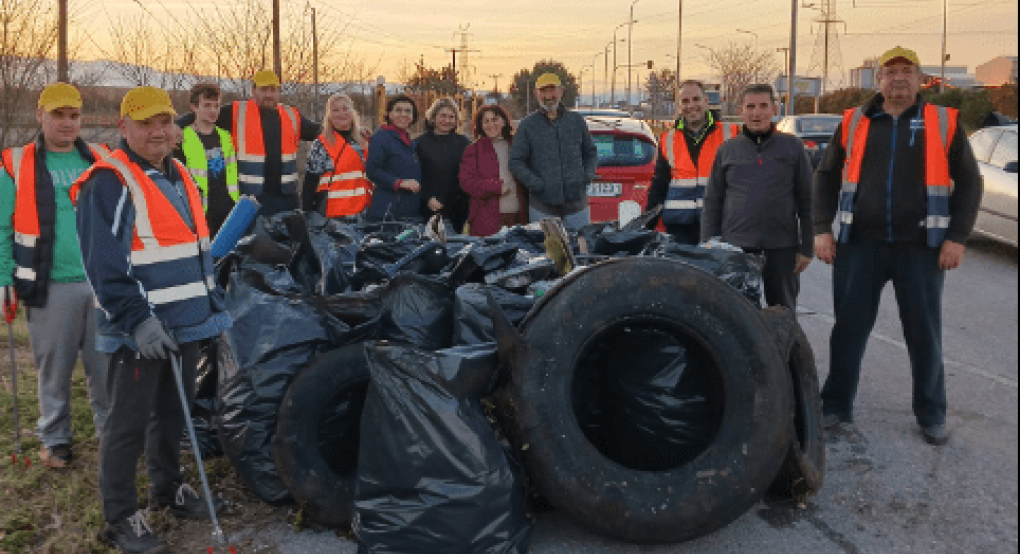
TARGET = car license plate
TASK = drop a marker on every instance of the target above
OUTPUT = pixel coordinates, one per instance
(605, 189)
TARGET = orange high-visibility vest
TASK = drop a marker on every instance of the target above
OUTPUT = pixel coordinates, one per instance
(348, 190)
(169, 258)
(939, 125)
(251, 149)
(20, 163)
(689, 179)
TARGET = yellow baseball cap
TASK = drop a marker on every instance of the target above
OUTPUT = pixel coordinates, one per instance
(899, 54)
(141, 103)
(59, 95)
(548, 80)
(266, 78)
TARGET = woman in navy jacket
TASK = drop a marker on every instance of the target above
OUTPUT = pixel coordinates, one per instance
(392, 165)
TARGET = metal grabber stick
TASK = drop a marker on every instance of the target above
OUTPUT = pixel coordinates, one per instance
(217, 533)
(10, 312)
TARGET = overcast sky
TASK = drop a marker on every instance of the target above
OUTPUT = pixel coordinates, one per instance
(512, 34)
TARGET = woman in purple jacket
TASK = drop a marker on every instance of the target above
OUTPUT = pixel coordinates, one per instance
(497, 199)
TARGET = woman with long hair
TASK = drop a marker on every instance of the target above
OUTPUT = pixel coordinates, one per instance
(335, 182)
(497, 199)
(439, 151)
(392, 165)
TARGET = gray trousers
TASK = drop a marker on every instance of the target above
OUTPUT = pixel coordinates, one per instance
(65, 327)
(145, 416)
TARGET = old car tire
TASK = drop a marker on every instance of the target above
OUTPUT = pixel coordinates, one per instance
(320, 472)
(669, 505)
(803, 471)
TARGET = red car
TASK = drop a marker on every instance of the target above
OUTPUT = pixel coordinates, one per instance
(627, 150)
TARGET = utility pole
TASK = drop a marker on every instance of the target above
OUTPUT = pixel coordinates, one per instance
(786, 69)
(495, 81)
(827, 46)
(791, 68)
(277, 62)
(315, 63)
(464, 50)
(62, 42)
(679, 42)
(945, 26)
(630, 47)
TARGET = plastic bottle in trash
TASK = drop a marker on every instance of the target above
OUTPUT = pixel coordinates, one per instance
(405, 234)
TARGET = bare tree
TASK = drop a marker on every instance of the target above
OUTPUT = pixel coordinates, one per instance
(28, 31)
(740, 65)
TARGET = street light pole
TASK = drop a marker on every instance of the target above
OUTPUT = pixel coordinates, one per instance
(613, 96)
(679, 42)
(594, 102)
(945, 25)
(792, 64)
(630, 47)
(605, 72)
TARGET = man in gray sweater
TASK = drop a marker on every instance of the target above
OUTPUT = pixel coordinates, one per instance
(759, 197)
(554, 157)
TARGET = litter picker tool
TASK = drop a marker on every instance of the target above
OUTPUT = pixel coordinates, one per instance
(10, 312)
(218, 537)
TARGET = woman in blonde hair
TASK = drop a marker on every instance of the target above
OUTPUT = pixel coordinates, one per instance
(335, 183)
(439, 151)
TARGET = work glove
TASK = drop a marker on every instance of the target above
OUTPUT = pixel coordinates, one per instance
(153, 341)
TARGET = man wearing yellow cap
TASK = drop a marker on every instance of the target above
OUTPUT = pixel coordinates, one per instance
(145, 244)
(40, 261)
(901, 182)
(554, 156)
(266, 137)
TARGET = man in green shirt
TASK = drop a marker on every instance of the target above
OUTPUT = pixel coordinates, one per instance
(40, 259)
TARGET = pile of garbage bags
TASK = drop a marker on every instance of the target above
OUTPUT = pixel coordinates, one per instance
(419, 312)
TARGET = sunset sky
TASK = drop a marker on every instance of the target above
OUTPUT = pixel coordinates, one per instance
(512, 34)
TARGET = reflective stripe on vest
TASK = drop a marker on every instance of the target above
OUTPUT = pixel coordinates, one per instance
(347, 188)
(684, 199)
(20, 164)
(939, 128)
(251, 149)
(198, 165)
(170, 259)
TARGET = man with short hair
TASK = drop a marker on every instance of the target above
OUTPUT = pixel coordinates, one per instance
(759, 197)
(555, 158)
(901, 180)
(208, 152)
(685, 160)
(146, 249)
(266, 136)
(41, 262)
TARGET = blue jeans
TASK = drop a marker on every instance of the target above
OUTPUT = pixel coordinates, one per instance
(859, 274)
(571, 222)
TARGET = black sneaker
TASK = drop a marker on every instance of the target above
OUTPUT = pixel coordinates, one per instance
(56, 457)
(133, 535)
(187, 503)
(936, 435)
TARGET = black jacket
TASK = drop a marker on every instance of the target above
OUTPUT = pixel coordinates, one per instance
(759, 193)
(891, 202)
(439, 157)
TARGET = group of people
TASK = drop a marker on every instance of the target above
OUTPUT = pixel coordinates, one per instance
(898, 179)
(109, 251)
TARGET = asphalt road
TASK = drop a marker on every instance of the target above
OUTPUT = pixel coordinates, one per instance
(886, 491)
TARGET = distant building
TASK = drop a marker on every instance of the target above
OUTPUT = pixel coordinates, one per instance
(865, 76)
(998, 71)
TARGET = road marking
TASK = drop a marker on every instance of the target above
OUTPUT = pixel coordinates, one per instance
(828, 318)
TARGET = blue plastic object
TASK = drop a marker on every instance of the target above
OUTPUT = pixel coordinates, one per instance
(235, 226)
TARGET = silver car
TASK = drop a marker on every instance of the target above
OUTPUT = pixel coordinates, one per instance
(996, 151)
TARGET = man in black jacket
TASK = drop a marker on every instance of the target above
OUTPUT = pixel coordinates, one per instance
(901, 180)
(759, 197)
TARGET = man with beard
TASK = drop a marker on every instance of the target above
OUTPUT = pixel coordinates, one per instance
(685, 160)
(555, 158)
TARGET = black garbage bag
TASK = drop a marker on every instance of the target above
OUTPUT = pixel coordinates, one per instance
(279, 334)
(472, 317)
(432, 476)
(622, 243)
(740, 270)
(646, 400)
(530, 240)
(418, 310)
(205, 410)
